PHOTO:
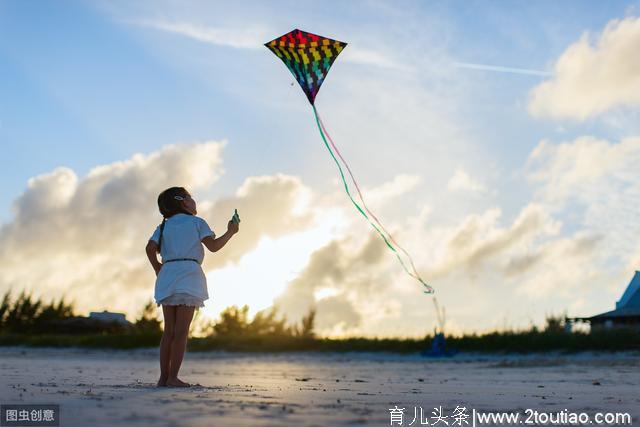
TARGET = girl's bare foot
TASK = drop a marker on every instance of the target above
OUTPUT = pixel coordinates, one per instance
(162, 382)
(175, 382)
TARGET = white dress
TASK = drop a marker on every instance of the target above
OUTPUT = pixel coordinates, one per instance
(182, 282)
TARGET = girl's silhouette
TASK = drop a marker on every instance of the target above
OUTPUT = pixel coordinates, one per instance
(181, 285)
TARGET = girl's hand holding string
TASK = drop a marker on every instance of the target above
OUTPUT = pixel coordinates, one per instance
(215, 244)
(232, 227)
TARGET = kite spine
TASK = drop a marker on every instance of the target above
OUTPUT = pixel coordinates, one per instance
(413, 274)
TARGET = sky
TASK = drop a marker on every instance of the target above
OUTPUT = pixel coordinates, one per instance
(496, 141)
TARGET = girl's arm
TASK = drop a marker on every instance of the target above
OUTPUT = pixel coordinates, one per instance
(152, 254)
(215, 245)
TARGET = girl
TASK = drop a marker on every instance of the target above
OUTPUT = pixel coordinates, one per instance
(181, 285)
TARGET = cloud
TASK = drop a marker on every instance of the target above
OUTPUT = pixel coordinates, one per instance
(357, 287)
(82, 214)
(401, 184)
(593, 183)
(634, 260)
(375, 58)
(336, 314)
(579, 169)
(461, 181)
(253, 38)
(501, 69)
(562, 268)
(479, 240)
(239, 38)
(593, 76)
(350, 270)
(272, 206)
(84, 236)
(578, 245)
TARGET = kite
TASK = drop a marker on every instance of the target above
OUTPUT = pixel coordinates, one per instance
(309, 57)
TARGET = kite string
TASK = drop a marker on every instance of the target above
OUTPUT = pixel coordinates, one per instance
(415, 274)
(346, 187)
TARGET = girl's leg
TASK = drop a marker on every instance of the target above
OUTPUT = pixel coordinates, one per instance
(184, 314)
(169, 312)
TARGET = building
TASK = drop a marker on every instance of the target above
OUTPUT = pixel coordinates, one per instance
(97, 322)
(625, 315)
(108, 316)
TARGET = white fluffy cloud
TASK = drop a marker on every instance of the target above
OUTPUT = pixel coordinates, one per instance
(350, 271)
(84, 237)
(580, 168)
(479, 239)
(272, 206)
(593, 76)
(461, 181)
(562, 268)
(595, 184)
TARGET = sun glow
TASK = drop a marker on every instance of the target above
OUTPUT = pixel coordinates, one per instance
(262, 274)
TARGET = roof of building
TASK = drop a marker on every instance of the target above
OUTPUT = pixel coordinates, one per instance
(629, 303)
(631, 296)
(618, 312)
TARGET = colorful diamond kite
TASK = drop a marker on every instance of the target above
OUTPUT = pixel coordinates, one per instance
(308, 57)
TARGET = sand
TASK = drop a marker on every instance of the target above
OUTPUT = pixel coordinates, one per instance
(114, 387)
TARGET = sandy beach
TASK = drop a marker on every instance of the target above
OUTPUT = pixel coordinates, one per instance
(114, 387)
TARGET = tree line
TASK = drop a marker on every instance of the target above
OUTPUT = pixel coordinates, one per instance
(27, 315)
(27, 321)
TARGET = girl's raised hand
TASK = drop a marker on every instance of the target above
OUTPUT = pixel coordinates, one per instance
(232, 227)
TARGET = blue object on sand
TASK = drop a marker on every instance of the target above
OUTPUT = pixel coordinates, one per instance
(439, 348)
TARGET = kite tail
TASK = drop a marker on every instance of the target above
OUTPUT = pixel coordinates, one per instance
(413, 274)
